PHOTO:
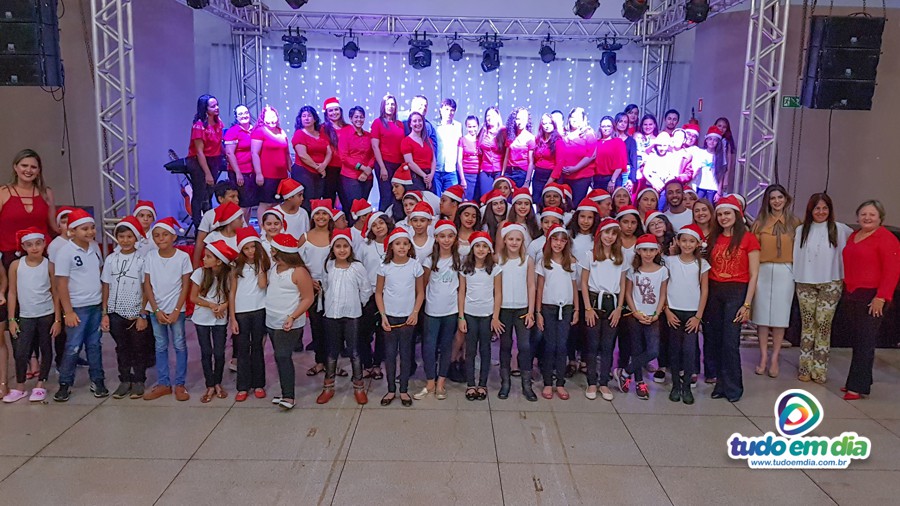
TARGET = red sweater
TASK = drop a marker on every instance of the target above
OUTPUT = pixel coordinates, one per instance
(355, 148)
(571, 151)
(611, 156)
(873, 262)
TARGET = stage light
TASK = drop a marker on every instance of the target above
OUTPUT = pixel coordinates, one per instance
(241, 3)
(608, 57)
(296, 4)
(197, 4)
(548, 54)
(419, 54)
(633, 10)
(294, 49)
(490, 59)
(455, 52)
(351, 48)
(696, 11)
(585, 9)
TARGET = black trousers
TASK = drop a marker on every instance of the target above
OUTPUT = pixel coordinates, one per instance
(341, 333)
(212, 352)
(722, 336)
(248, 346)
(398, 341)
(478, 340)
(317, 331)
(33, 333)
(369, 327)
(514, 320)
(131, 348)
(864, 338)
(601, 338)
(682, 347)
(202, 193)
(284, 342)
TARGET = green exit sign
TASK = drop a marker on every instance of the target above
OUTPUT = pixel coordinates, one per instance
(790, 102)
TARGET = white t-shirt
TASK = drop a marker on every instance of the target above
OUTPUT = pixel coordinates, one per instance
(248, 296)
(371, 254)
(704, 171)
(165, 277)
(818, 261)
(683, 290)
(215, 235)
(400, 287)
(536, 249)
(125, 276)
(605, 276)
(346, 290)
(449, 133)
(204, 315)
(645, 289)
(356, 239)
(82, 267)
(297, 223)
(314, 258)
(442, 288)
(55, 245)
(515, 284)
(33, 294)
(681, 219)
(480, 291)
(206, 222)
(424, 250)
(557, 284)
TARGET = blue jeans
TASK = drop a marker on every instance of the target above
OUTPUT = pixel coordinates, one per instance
(161, 335)
(350, 190)
(707, 194)
(644, 346)
(313, 184)
(442, 181)
(579, 188)
(438, 340)
(471, 186)
(517, 175)
(601, 183)
(87, 334)
(385, 196)
(556, 335)
(538, 181)
(485, 183)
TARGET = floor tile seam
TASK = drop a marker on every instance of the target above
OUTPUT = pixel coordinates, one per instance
(337, 483)
(636, 445)
(496, 451)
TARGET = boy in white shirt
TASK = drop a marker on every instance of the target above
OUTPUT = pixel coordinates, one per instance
(296, 218)
(225, 191)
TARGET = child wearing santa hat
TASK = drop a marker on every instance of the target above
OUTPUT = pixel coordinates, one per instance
(247, 310)
(480, 295)
(296, 219)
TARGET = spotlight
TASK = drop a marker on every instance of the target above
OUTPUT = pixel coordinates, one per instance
(351, 48)
(696, 11)
(548, 54)
(241, 3)
(197, 4)
(294, 50)
(296, 4)
(455, 52)
(608, 57)
(585, 9)
(633, 10)
(490, 59)
(419, 54)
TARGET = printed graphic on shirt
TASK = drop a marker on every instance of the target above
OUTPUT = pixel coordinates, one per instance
(645, 286)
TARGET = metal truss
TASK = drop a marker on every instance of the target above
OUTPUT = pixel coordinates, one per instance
(114, 91)
(654, 76)
(666, 17)
(248, 46)
(760, 103)
(238, 17)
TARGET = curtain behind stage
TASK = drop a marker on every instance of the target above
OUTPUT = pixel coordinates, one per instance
(520, 82)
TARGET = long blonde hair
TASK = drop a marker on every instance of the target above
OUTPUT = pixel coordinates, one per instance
(39, 180)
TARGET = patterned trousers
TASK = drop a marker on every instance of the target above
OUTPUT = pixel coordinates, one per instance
(817, 305)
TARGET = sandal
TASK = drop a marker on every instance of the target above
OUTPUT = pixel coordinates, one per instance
(221, 393)
(582, 367)
(315, 370)
(208, 396)
(571, 369)
(341, 372)
(377, 375)
(368, 373)
(31, 375)
(482, 393)
(471, 394)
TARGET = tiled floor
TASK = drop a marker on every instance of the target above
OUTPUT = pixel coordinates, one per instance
(92, 451)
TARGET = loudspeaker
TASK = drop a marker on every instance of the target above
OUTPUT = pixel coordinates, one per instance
(29, 44)
(842, 62)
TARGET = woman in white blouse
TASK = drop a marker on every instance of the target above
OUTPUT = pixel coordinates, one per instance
(818, 271)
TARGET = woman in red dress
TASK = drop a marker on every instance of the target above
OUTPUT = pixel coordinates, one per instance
(387, 133)
(205, 158)
(271, 156)
(418, 153)
(312, 155)
(334, 123)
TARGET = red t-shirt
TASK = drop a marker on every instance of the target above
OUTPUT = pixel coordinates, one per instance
(389, 138)
(335, 162)
(316, 148)
(491, 153)
(469, 158)
(211, 136)
(422, 154)
(611, 156)
(543, 157)
(571, 151)
(241, 139)
(519, 149)
(273, 157)
(873, 262)
(355, 148)
(732, 266)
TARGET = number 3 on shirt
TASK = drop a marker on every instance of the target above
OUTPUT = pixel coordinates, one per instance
(78, 261)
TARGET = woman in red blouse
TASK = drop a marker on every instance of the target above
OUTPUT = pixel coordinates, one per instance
(205, 159)
(312, 154)
(491, 150)
(871, 270)
(612, 157)
(418, 153)
(468, 158)
(518, 163)
(271, 156)
(334, 123)
(240, 161)
(576, 154)
(734, 267)
(387, 132)
(544, 154)
(357, 159)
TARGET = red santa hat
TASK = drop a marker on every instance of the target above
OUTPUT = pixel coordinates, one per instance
(397, 233)
(287, 188)
(567, 191)
(245, 236)
(650, 216)
(79, 217)
(286, 243)
(692, 128)
(359, 208)
(513, 227)
(693, 231)
(402, 176)
(625, 210)
(422, 210)
(222, 251)
(484, 237)
(278, 213)
(598, 195)
(414, 194)
(317, 205)
(689, 189)
(341, 233)
(169, 224)
(731, 202)
(554, 212)
(556, 229)
(587, 204)
(144, 205)
(741, 199)
(337, 214)
(510, 182)
(132, 223)
(455, 192)
(646, 190)
(646, 241)
(607, 224)
(444, 226)
(553, 187)
(28, 234)
(714, 131)
(468, 203)
(491, 196)
(331, 102)
(521, 194)
(62, 212)
(226, 213)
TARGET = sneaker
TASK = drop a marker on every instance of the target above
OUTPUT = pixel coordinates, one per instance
(62, 395)
(137, 390)
(181, 393)
(123, 391)
(624, 382)
(157, 392)
(659, 376)
(38, 395)
(99, 389)
(643, 392)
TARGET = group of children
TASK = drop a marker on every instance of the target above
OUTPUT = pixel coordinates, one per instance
(453, 274)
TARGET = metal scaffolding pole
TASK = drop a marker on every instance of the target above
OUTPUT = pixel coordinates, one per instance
(248, 48)
(760, 103)
(654, 76)
(114, 92)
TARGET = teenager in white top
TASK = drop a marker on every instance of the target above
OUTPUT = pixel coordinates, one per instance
(399, 307)
(818, 272)
(296, 219)
(209, 294)
(441, 280)
(371, 253)
(272, 225)
(557, 307)
(229, 218)
(686, 299)
(346, 289)
(480, 295)
(582, 227)
(550, 217)
(603, 295)
(247, 312)
(419, 223)
(517, 308)
(314, 248)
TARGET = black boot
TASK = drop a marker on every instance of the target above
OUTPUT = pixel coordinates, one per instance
(675, 394)
(526, 388)
(504, 384)
(687, 396)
